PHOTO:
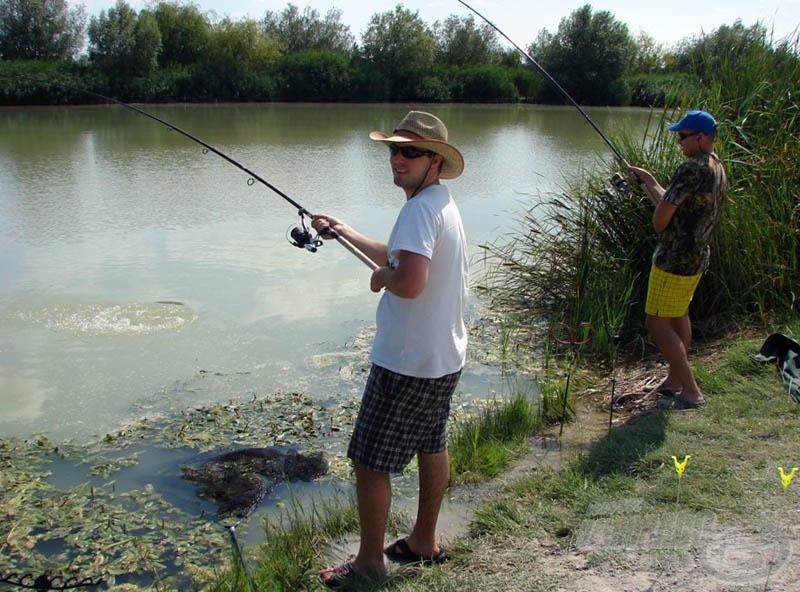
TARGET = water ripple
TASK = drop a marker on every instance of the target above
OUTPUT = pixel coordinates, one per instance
(137, 318)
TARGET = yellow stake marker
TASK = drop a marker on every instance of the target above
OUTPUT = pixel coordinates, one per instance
(680, 466)
(787, 479)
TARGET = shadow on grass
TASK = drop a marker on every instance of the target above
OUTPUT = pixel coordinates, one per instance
(621, 451)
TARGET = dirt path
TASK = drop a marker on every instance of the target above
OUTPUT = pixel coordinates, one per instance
(622, 546)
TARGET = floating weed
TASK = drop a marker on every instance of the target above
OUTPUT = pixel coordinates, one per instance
(107, 467)
(136, 539)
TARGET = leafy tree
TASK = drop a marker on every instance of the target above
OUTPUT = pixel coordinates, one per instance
(402, 46)
(306, 31)
(40, 30)
(239, 59)
(315, 75)
(147, 43)
(589, 56)
(703, 55)
(511, 57)
(648, 56)
(461, 43)
(237, 46)
(490, 84)
(123, 44)
(185, 33)
(369, 83)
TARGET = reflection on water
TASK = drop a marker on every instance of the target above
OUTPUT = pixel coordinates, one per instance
(108, 219)
(21, 399)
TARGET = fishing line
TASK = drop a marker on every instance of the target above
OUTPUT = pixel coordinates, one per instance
(300, 235)
(240, 554)
(555, 83)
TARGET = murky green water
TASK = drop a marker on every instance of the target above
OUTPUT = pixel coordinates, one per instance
(134, 265)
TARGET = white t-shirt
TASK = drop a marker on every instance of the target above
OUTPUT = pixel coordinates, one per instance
(425, 337)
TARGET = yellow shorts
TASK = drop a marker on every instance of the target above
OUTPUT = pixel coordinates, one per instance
(669, 295)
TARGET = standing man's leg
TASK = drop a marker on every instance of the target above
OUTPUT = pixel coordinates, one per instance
(682, 326)
(434, 478)
(668, 334)
(374, 498)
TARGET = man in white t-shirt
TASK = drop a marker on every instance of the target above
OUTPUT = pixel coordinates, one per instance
(419, 349)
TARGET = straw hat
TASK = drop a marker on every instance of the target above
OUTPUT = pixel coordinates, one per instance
(434, 138)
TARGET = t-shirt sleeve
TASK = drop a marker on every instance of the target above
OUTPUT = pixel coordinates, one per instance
(416, 231)
(686, 181)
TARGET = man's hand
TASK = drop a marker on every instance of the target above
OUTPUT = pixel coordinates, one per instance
(326, 225)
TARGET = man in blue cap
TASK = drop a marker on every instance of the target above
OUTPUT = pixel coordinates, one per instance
(686, 213)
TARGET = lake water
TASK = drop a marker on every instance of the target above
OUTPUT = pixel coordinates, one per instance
(134, 266)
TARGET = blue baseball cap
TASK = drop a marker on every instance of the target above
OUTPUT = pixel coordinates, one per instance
(697, 121)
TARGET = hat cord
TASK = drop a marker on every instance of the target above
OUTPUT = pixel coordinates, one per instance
(420, 187)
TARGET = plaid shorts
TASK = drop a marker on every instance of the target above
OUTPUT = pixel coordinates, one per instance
(399, 417)
(669, 295)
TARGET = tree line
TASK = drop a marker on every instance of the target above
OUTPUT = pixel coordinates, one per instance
(172, 51)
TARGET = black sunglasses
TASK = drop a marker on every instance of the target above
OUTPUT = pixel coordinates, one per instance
(684, 135)
(410, 152)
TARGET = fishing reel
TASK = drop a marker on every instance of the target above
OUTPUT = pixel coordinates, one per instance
(621, 184)
(300, 236)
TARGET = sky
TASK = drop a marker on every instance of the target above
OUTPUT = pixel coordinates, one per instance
(666, 22)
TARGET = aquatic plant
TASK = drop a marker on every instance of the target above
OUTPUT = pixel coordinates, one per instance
(65, 511)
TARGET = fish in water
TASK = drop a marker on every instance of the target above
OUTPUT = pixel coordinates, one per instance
(237, 481)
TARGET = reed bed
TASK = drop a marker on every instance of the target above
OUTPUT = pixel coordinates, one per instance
(584, 256)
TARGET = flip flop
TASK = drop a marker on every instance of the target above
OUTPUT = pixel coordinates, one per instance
(400, 551)
(341, 576)
(663, 390)
(678, 403)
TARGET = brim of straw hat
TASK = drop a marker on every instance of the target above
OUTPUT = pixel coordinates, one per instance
(453, 164)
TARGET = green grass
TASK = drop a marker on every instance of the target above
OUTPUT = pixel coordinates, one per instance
(484, 445)
(290, 556)
(748, 430)
(736, 444)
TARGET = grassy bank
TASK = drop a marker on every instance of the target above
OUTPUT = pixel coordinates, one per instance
(627, 482)
(618, 507)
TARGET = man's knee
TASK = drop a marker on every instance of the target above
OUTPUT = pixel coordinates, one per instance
(655, 324)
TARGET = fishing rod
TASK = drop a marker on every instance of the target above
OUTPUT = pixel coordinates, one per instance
(300, 235)
(555, 83)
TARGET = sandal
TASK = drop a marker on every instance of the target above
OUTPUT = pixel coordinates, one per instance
(665, 391)
(340, 576)
(400, 551)
(678, 403)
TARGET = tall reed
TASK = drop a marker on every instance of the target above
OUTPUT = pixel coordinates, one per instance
(758, 99)
(584, 256)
